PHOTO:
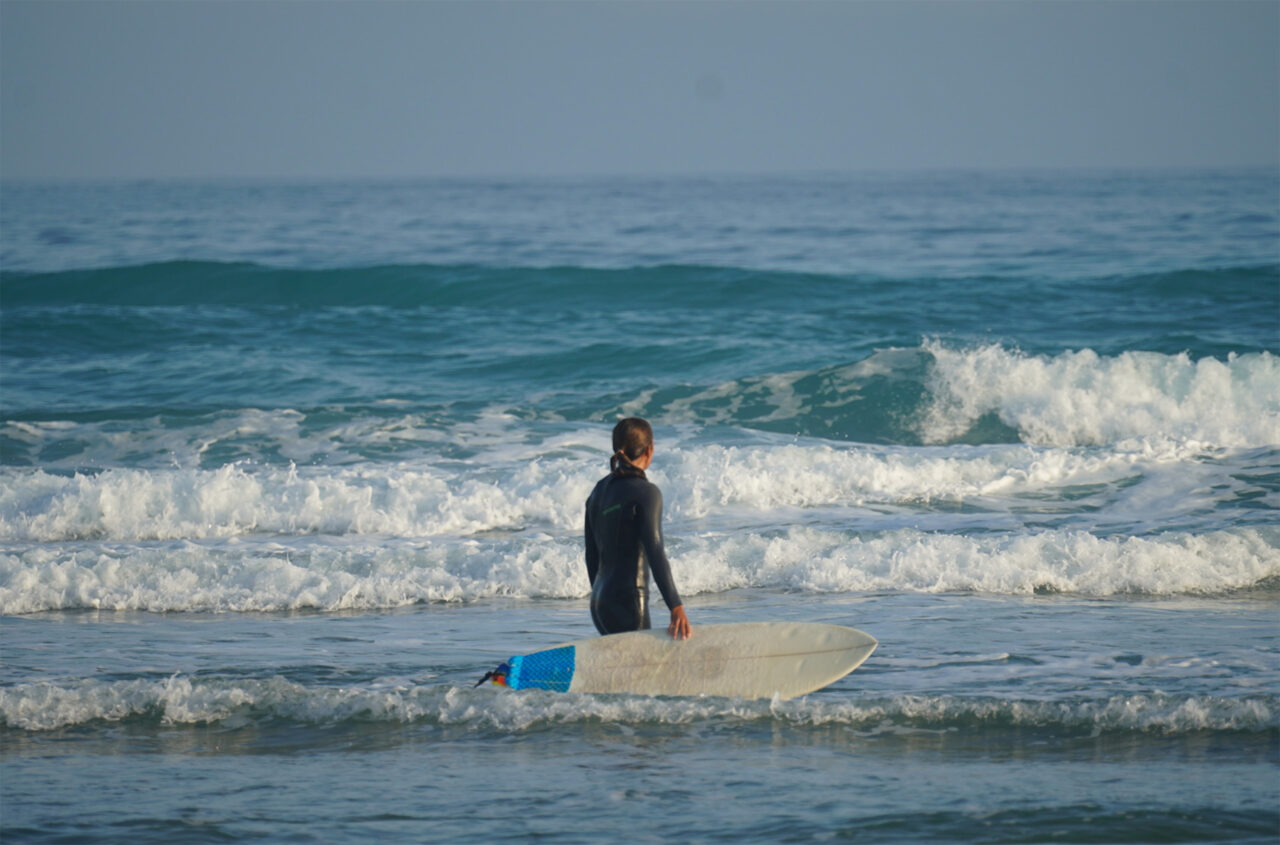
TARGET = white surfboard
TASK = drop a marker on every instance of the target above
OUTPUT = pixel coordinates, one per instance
(747, 660)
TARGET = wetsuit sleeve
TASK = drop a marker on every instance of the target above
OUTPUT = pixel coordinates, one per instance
(593, 553)
(651, 538)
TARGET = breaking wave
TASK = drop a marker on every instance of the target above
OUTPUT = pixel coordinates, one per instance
(516, 486)
(934, 394)
(941, 395)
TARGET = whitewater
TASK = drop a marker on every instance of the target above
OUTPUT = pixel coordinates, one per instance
(274, 492)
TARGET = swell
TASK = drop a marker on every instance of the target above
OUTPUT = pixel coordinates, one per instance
(191, 283)
(184, 283)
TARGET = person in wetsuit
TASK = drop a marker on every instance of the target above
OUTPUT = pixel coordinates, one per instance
(624, 539)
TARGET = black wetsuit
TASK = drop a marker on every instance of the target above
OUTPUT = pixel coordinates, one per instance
(624, 543)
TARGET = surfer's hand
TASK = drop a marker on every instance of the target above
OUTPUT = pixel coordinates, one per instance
(679, 629)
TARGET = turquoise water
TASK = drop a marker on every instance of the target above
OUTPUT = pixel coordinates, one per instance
(284, 468)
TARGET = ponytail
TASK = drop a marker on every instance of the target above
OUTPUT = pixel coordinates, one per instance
(632, 437)
(620, 464)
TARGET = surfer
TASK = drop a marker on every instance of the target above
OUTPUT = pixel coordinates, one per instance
(624, 539)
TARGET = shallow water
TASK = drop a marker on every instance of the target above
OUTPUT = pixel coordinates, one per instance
(1102, 720)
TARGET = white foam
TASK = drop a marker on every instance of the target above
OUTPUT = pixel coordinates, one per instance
(1082, 398)
(518, 486)
(138, 504)
(380, 572)
(1156, 713)
(188, 701)
(1062, 561)
(709, 478)
(287, 575)
(809, 515)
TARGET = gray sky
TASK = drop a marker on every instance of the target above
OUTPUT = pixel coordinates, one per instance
(338, 89)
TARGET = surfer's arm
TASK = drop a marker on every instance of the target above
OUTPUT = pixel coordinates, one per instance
(651, 538)
(593, 554)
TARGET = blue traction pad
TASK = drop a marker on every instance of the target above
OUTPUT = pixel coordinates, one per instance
(551, 669)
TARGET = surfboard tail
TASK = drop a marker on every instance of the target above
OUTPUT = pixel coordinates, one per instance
(550, 669)
(498, 675)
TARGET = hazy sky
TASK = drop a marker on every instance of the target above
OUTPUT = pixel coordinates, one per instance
(311, 88)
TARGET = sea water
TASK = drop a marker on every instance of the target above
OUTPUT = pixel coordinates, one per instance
(286, 467)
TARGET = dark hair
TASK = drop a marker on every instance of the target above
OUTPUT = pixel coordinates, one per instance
(632, 437)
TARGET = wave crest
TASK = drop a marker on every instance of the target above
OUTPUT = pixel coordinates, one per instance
(939, 395)
(933, 394)
(1084, 399)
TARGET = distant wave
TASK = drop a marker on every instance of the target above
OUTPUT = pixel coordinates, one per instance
(934, 394)
(943, 395)
(183, 283)
(182, 700)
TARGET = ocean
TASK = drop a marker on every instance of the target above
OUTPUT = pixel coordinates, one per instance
(285, 467)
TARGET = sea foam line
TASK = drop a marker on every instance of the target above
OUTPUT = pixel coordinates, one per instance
(516, 491)
(181, 700)
(1066, 561)
(384, 573)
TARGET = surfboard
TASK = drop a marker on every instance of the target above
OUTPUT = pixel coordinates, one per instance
(744, 660)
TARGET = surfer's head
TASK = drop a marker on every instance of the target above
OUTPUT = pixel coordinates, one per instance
(632, 446)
